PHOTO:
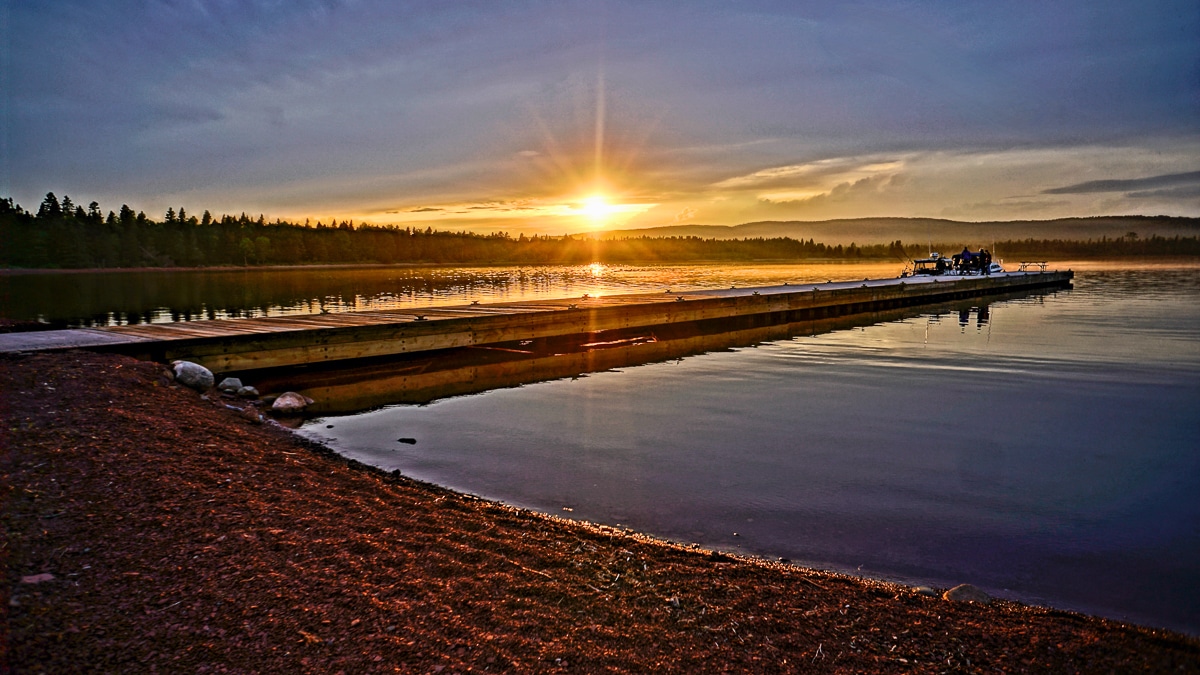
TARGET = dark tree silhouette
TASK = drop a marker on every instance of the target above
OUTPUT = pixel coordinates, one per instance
(56, 237)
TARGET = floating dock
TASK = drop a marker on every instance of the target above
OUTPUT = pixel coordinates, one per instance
(230, 345)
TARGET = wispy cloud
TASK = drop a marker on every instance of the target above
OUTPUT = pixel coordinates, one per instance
(1182, 192)
(1156, 183)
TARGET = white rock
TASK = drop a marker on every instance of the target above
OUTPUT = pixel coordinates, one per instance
(193, 375)
(967, 593)
(291, 403)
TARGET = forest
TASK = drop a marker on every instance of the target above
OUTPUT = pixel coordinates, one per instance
(64, 235)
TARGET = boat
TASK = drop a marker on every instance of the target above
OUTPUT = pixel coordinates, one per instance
(967, 263)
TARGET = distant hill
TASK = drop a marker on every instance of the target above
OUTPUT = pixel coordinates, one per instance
(919, 230)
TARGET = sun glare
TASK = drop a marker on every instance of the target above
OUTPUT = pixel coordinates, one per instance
(596, 207)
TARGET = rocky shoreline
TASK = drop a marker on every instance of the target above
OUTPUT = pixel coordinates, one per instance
(150, 530)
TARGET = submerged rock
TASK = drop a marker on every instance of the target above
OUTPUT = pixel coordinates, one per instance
(193, 375)
(290, 403)
(967, 593)
(230, 385)
(247, 392)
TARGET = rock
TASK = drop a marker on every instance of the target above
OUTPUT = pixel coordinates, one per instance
(193, 375)
(247, 392)
(925, 590)
(967, 593)
(252, 415)
(291, 403)
(37, 578)
(230, 385)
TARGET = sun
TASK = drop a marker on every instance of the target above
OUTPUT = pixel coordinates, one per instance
(597, 207)
(600, 210)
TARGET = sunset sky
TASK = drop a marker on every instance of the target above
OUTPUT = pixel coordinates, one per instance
(556, 117)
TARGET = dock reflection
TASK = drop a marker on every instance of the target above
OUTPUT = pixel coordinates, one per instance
(351, 387)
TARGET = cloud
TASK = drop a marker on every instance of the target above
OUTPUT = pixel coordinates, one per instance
(1174, 193)
(684, 215)
(351, 108)
(842, 192)
(1171, 180)
(815, 174)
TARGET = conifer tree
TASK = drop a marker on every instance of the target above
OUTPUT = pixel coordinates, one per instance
(50, 207)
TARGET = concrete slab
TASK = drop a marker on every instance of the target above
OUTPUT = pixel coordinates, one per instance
(75, 338)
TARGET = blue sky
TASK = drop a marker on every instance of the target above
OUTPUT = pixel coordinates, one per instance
(566, 116)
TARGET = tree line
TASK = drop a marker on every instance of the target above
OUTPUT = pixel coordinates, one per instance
(62, 234)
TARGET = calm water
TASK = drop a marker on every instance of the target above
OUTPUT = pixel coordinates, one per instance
(77, 299)
(1044, 448)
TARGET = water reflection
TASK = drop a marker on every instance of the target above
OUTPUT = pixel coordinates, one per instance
(63, 300)
(981, 316)
(346, 388)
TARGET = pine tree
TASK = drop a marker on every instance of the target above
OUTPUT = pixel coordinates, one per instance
(50, 207)
(127, 216)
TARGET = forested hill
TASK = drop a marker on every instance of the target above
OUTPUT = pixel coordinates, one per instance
(64, 235)
(845, 230)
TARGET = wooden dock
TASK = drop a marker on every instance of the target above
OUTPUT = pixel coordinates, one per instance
(231, 345)
(347, 387)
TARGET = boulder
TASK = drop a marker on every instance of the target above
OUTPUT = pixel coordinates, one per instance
(193, 375)
(247, 392)
(967, 593)
(290, 403)
(230, 385)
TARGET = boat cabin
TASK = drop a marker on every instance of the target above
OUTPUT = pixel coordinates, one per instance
(934, 265)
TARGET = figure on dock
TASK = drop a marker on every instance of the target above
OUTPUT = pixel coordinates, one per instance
(970, 262)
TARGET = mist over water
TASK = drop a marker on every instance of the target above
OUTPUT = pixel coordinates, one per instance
(1043, 448)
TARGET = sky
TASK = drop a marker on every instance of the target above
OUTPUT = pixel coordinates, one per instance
(561, 116)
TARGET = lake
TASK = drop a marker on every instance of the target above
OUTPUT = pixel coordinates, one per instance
(76, 299)
(1041, 446)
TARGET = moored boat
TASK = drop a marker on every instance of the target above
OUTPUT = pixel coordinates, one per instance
(967, 263)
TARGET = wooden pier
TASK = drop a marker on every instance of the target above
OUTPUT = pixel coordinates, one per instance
(231, 345)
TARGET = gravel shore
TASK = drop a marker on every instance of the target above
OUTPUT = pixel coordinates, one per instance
(147, 529)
